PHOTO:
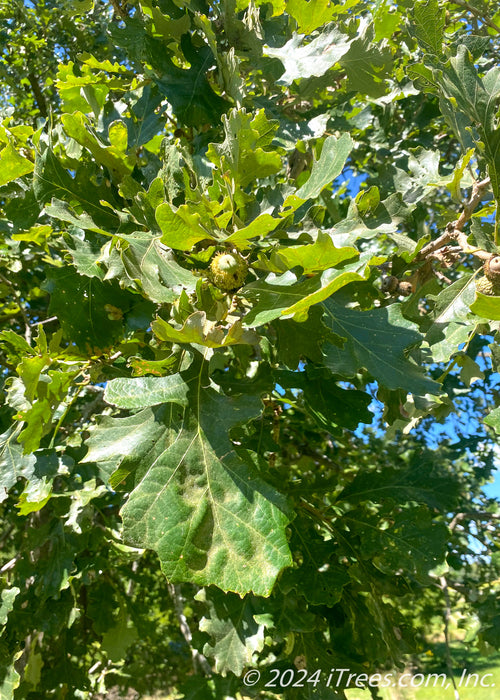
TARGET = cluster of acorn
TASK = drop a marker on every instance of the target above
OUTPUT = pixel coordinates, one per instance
(490, 283)
(393, 285)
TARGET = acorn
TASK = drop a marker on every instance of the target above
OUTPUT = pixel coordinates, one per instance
(405, 288)
(389, 284)
(228, 271)
(485, 285)
(492, 268)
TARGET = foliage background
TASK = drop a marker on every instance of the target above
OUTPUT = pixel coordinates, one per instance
(196, 482)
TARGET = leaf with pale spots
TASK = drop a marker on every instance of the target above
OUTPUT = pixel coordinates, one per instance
(208, 516)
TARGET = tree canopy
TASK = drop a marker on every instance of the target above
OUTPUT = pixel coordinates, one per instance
(249, 322)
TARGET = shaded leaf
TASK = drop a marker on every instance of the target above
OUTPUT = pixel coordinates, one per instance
(80, 305)
(235, 636)
(376, 340)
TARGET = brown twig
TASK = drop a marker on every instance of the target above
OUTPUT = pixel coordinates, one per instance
(454, 230)
(485, 20)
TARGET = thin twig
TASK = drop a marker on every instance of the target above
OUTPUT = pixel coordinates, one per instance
(47, 320)
(485, 20)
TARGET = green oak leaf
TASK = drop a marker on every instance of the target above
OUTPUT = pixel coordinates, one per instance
(167, 27)
(58, 209)
(329, 404)
(310, 14)
(13, 463)
(367, 64)
(146, 262)
(14, 346)
(86, 91)
(85, 253)
(419, 481)
(487, 307)
(314, 58)
(52, 180)
(329, 166)
(297, 341)
(259, 227)
(210, 519)
(142, 392)
(78, 127)
(50, 391)
(320, 578)
(314, 257)
(412, 542)
(13, 165)
(198, 330)
(183, 227)
(235, 636)
(476, 98)
(7, 599)
(281, 297)
(493, 419)
(54, 570)
(188, 90)
(9, 677)
(245, 154)
(428, 26)
(116, 641)
(148, 120)
(376, 340)
(451, 318)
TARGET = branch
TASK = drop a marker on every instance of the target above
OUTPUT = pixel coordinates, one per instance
(480, 515)
(119, 8)
(38, 95)
(485, 20)
(454, 230)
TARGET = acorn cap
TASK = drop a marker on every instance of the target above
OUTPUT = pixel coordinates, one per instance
(492, 268)
(484, 285)
(228, 271)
